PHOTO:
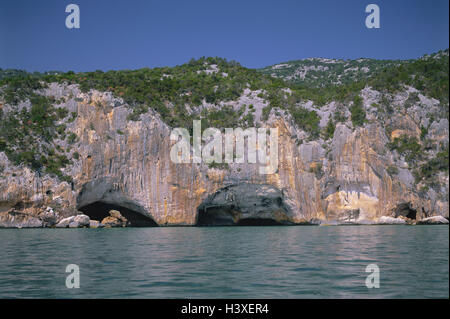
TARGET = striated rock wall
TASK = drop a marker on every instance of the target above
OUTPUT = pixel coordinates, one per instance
(127, 163)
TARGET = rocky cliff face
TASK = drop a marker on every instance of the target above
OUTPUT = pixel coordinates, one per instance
(354, 177)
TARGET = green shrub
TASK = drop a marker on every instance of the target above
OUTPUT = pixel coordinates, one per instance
(392, 170)
(407, 146)
(328, 131)
(358, 114)
(71, 138)
(435, 165)
(307, 120)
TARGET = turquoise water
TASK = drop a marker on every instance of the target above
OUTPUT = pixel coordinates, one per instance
(226, 262)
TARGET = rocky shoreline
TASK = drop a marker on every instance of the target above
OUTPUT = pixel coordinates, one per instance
(51, 219)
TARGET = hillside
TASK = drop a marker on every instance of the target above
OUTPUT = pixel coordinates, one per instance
(323, 72)
(372, 139)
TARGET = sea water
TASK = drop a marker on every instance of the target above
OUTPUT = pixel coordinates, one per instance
(226, 262)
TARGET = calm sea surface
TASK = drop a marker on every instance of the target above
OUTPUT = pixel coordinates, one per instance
(226, 262)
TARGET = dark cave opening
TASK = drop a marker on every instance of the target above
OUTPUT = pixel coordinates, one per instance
(215, 216)
(405, 209)
(411, 214)
(100, 210)
(226, 216)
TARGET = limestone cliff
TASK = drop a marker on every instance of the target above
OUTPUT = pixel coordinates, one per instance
(354, 177)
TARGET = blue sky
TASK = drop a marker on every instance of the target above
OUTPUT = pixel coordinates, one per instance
(119, 34)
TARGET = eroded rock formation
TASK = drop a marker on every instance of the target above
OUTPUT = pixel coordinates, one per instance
(245, 204)
(126, 165)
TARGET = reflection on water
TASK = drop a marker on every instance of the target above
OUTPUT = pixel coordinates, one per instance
(226, 262)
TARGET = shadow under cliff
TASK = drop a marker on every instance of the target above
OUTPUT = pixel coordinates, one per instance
(100, 210)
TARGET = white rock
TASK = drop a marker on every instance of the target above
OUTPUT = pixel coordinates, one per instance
(82, 220)
(434, 220)
(63, 223)
(74, 221)
(390, 220)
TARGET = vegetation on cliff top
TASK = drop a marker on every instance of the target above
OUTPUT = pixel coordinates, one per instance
(27, 135)
(428, 74)
(168, 90)
(319, 72)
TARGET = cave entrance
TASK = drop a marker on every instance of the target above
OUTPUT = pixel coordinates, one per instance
(244, 204)
(226, 216)
(405, 210)
(99, 210)
(216, 216)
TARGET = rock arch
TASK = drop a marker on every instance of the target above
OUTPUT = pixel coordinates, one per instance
(244, 205)
(99, 196)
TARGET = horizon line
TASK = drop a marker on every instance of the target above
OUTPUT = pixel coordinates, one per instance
(228, 60)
